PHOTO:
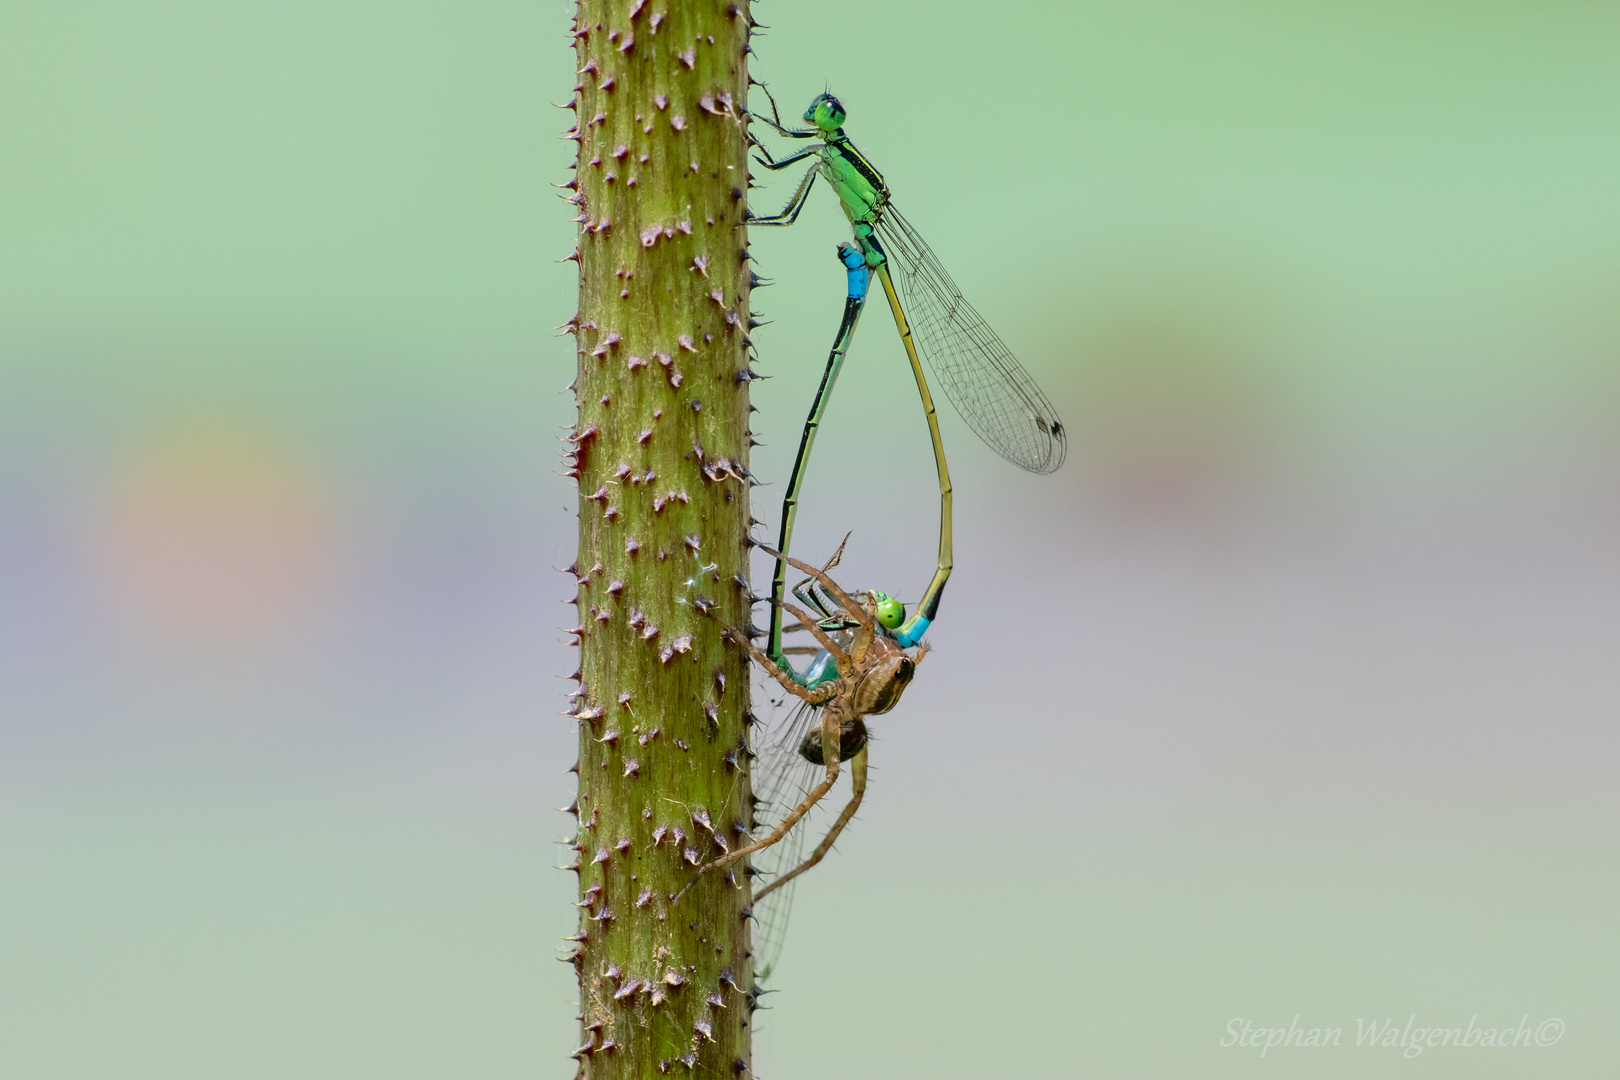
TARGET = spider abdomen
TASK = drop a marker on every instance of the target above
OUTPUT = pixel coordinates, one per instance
(851, 738)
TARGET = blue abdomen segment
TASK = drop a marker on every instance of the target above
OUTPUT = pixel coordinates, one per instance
(860, 275)
(912, 633)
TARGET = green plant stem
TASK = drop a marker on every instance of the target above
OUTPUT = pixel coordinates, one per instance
(660, 452)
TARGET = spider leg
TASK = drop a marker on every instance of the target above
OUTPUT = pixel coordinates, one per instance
(817, 632)
(816, 696)
(854, 610)
(831, 726)
(796, 627)
(818, 598)
(838, 555)
(857, 776)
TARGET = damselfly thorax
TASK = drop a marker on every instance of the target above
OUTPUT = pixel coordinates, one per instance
(859, 185)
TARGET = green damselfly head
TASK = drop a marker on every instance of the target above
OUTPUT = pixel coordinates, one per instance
(826, 112)
(890, 612)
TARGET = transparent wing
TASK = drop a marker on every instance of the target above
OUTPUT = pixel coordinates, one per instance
(781, 779)
(981, 377)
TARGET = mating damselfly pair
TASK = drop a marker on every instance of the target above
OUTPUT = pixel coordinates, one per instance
(861, 661)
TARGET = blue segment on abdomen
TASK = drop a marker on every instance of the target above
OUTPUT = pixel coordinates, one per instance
(912, 633)
(854, 261)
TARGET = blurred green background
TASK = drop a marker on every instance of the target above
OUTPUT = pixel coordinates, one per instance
(1292, 693)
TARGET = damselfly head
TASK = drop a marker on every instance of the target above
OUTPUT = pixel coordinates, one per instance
(890, 612)
(826, 112)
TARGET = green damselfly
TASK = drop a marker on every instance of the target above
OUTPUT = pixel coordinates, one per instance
(979, 374)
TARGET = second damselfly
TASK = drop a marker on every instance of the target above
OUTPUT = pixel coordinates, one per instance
(979, 374)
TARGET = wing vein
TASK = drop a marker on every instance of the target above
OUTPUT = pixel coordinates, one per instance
(980, 376)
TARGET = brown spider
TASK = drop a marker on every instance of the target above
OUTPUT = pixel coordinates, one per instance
(873, 671)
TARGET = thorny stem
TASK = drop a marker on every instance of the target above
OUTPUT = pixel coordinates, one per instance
(660, 452)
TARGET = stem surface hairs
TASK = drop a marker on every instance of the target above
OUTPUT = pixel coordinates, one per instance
(660, 452)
